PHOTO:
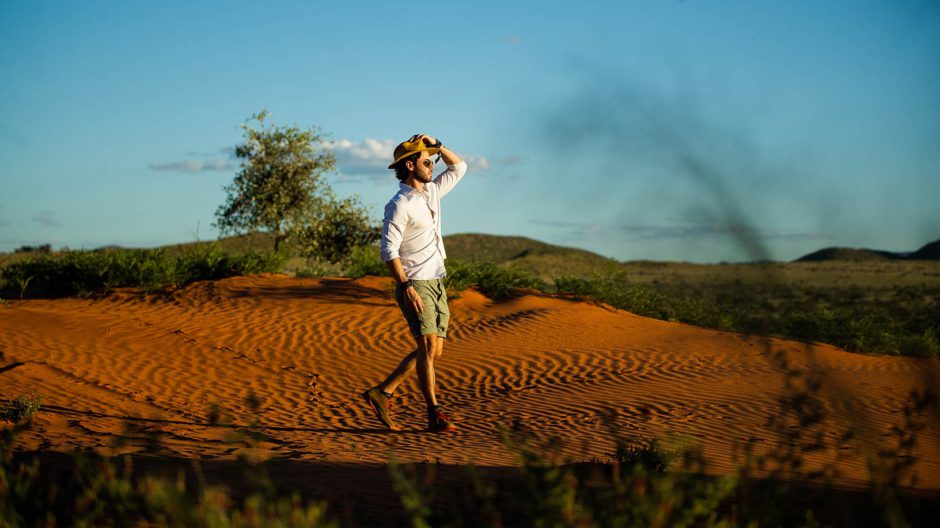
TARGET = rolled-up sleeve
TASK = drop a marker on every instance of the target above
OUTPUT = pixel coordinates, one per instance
(449, 178)
(393, 227)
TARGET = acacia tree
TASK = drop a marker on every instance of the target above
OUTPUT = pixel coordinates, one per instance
(280, 186)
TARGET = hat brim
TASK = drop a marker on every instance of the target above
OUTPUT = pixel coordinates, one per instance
(430, 150)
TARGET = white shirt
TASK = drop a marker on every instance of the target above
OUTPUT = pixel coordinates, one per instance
(411, 230)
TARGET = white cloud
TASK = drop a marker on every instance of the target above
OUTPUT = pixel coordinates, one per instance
(371, 157)
(193, 165)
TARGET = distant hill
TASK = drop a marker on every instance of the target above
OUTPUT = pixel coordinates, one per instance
(500, 249)
(525, 254)
(930, 251)
(849, 254)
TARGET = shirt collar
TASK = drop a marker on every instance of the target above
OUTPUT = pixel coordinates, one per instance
(404, 188)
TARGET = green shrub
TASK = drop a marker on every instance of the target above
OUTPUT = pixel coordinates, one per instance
(649, 455)
(253, 263)
(88, 272)
(335, 229)
(364, 260)
(491, 280)
(316, 267)
(21, 408)
(924, 345)
(575, 285)
(632, 489)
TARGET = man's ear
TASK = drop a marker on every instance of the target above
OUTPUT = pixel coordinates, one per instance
(410, 165)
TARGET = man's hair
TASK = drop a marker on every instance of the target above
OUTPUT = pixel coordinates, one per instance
(401, 172)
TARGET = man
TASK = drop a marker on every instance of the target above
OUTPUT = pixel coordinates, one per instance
(413, 250)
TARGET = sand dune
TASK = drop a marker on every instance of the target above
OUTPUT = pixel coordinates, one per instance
(120, 370)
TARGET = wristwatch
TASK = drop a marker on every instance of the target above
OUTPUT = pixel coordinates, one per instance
(438, 144)
(406, 284)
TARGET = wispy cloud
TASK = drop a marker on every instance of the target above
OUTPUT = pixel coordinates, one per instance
(575, 229)
(512, 40)
(511, 160)
(192, 165)
(477, 163)
(659, 232)
(46, 219)
(675, 231)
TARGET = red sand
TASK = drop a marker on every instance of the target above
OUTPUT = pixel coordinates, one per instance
(307, 347)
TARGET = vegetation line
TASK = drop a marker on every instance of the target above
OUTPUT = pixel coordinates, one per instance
(902, 321)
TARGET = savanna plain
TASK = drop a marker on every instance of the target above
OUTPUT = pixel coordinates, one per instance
(217, 384)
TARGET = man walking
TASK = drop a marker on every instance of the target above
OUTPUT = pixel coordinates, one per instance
(413, 250)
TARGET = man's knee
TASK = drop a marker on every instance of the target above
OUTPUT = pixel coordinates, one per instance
(427, 345)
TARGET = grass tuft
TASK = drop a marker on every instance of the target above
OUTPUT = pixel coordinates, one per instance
(20, 409)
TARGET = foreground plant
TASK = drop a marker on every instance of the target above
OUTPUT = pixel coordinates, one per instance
(103, 492)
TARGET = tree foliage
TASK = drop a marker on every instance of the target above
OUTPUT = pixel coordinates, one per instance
(333, 230)
(280, 185)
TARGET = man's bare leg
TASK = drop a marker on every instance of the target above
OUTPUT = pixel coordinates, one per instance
(401, 372)
(407, 364)
(437, 421)
(424, 362)
(430, 346)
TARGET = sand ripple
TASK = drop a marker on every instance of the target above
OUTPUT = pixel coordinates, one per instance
(288, 357)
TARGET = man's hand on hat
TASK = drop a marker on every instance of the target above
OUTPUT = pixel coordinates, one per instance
(428, 140)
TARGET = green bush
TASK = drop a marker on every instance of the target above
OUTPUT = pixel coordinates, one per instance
(364, 260)
(21, 408)
(649, 455)
(335, 230)
(575, 286)
(88, 272)
(491, 280)
(924, 345)
(316, 267)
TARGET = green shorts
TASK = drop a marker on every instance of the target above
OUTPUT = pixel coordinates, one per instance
(436, 315)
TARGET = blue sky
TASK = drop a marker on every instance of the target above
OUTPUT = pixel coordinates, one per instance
(665, 130)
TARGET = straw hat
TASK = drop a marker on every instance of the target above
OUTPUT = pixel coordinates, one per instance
(407, 148)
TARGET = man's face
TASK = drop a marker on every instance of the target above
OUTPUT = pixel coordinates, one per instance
(424, 168)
